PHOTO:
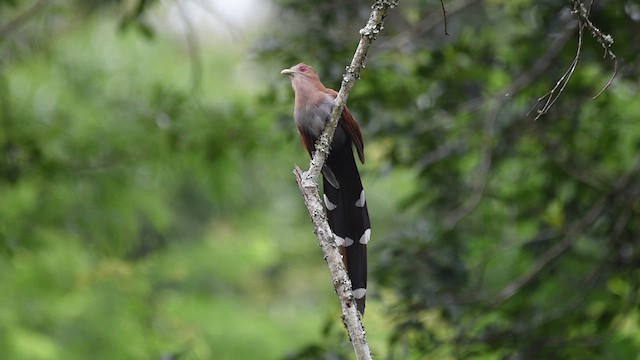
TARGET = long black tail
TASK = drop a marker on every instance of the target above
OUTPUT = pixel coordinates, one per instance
(348, 217)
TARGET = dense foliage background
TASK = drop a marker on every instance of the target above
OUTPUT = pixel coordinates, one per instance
(148, 210)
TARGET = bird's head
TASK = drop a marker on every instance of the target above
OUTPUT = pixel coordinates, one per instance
(301, 73)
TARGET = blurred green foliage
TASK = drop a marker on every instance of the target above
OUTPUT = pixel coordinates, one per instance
(144, 217)
(140, 219)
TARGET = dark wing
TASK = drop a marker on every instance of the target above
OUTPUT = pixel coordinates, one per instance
(307, 140)
(351, 126)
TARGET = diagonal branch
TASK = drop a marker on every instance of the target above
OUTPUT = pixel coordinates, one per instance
(367, 35)
(22, 19)
(308, 183)
(571, 236)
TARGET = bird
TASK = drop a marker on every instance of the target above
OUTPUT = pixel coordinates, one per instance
(344, 197)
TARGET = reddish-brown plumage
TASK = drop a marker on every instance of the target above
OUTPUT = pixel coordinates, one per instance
(310, 93)
(344, 197)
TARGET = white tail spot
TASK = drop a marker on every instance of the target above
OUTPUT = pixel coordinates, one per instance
(339, 240)
(348, 242)
(359, 293)
(330, 206)
(364, 239)
(360, 202)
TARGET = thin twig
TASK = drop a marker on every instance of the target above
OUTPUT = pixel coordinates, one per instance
(444, 17)
(426, 25)
(606, 86)
(191, 37)
(554, 94)
(605, 40)
(308, 183)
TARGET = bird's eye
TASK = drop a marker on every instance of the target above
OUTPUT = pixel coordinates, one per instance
(303, 68)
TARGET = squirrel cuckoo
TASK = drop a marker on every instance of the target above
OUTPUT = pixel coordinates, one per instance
(343, 194)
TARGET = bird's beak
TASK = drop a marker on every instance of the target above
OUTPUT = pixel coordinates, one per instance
(286, 72)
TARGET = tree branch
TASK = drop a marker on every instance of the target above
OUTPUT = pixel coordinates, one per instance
(22, 19)
(308, 183)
